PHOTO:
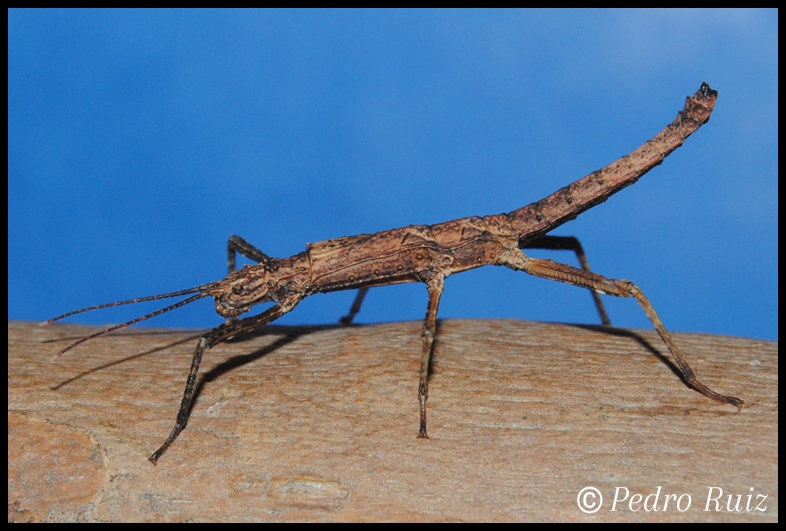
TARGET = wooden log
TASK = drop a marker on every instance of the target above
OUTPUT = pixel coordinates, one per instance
(320, 424)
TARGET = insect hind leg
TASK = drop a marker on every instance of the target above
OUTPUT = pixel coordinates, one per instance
(570, 243)
(552, 270)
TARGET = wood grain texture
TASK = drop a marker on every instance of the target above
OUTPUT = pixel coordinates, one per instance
(320, 423)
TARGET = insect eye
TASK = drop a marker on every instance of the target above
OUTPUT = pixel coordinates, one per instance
(237, 289)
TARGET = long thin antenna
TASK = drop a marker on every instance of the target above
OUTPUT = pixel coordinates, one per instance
(130, 301)
(202, 291)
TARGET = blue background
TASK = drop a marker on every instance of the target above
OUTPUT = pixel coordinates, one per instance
(138, 141)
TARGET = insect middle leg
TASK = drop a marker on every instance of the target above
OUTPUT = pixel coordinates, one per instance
(435, 285)
(619, 288)
(353, 311)
(556, 243)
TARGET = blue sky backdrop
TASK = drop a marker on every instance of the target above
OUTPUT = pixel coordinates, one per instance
(138, 141)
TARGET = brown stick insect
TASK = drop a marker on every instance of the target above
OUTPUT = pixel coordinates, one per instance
(429, 254)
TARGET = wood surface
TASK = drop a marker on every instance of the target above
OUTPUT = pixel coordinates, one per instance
(320, 424)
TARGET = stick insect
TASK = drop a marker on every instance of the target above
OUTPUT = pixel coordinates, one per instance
(429, 254)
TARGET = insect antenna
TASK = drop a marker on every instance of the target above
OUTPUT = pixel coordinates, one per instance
(200, 290)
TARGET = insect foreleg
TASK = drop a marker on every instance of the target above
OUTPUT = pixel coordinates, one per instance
(619, 288)
(236, 244)
(221, 333)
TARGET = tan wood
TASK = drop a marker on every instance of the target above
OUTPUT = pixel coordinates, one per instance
(320, 423)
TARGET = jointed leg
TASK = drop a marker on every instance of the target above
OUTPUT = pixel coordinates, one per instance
(236, 244)
(619, 288)
(569, 243)
(208, 340)
(429, 334)
(347, 319)
(558, 243)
